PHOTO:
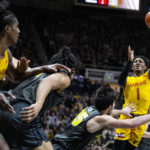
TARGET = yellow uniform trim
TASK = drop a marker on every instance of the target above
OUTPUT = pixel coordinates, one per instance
(4, 64)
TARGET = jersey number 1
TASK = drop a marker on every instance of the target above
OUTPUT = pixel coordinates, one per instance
(138, 93)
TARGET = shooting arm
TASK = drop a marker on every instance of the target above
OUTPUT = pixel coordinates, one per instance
(124, 74)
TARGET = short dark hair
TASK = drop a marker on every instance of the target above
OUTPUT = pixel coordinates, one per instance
(6, 18)
(145, 60)
(105, 97)
(65, 57)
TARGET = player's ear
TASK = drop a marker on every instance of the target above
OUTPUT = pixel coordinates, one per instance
(7, 28)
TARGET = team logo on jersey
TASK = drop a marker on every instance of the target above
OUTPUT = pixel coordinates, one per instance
(137, 83)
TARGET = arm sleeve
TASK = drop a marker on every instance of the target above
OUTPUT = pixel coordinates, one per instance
(124, 74)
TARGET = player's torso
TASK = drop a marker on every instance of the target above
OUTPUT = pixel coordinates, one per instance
(137, 92)
(75, 135)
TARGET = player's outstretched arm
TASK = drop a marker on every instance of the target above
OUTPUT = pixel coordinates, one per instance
(46, 68)
(127, 110)
(19, 70)
(146, 134)
(100, 122)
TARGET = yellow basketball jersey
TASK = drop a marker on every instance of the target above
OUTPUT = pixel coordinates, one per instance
(3, 65)
(137, 91)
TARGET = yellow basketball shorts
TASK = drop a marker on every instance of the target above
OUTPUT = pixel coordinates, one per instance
(132, 135)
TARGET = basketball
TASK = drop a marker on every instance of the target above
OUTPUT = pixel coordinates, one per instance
(147, 19)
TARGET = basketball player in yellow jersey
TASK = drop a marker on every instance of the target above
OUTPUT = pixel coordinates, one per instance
(10, 68)
(136, 90)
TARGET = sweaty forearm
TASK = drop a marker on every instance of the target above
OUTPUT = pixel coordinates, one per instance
(124, 73)
(116, 112)
(137, 121)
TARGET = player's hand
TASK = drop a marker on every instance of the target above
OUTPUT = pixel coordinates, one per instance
(55, 67)
(130, 54)
(22, 65)
(128, 109)
(28, 114)
(4, 104)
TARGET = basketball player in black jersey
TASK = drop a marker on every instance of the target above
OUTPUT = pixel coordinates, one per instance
(91, 121)
(42, 91)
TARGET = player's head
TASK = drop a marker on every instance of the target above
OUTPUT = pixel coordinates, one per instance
(105, 98)
(65, 57)
(9, 26)
(140, 64)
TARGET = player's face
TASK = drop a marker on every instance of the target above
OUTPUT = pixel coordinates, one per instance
(139, 65)
(14, 32)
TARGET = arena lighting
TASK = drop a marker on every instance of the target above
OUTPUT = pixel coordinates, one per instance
(91, 1)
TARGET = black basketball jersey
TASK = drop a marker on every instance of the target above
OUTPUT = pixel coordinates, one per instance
(26, 91)
(75, 136)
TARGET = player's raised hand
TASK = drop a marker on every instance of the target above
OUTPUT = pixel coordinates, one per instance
(22, 65)
(130, 54)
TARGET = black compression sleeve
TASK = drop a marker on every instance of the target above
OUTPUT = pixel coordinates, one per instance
(124, 73)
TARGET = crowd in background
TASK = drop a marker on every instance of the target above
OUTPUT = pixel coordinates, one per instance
(100, 42)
